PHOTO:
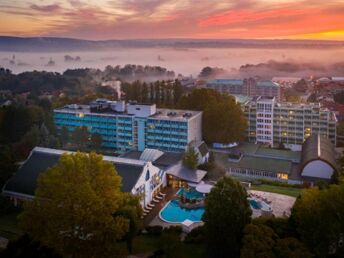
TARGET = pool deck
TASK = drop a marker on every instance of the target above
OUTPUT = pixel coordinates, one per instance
(281, 204)
(154, 213)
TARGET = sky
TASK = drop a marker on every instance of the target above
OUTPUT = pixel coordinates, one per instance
(128, 19)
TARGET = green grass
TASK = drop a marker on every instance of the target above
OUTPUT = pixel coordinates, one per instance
(9, 225)
(144, 244)
(291, 191)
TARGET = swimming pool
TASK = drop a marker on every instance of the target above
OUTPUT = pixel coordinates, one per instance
(190, 194)
(259, 205)
(255, 204)
(173, 213)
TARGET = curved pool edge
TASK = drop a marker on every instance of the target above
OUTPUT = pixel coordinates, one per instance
(173, 222)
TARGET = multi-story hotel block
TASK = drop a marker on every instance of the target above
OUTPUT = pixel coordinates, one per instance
(133, 126)
(247, 87)
(273, 122)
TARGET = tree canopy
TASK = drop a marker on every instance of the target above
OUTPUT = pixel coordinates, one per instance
(223, 119)
(318, 217)
(190, 158)
(227, 211)
(79, 209)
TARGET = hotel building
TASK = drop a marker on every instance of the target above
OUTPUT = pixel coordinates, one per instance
(133, 126)
(272, 122)
(247, 87)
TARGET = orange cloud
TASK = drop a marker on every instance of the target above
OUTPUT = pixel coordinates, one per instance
(108, 19)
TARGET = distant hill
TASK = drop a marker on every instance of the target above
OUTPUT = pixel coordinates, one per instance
(47, 44)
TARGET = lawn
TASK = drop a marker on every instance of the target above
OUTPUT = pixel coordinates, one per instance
(291, 191)
(144, 244)
(9, 225)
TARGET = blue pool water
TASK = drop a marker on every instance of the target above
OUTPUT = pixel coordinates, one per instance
(190, 194)
(173, 213)
(255, 204)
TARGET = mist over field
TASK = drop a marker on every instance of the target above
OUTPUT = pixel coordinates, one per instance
(189, 61)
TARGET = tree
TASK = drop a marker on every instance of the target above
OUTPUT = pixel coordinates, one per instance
(26, 247)
(80, 137)
(258, 241)
(7, 164)
(227, 211)
(190, 158)
(77, 208)
(301, 85)
(211, 72)
(96, 141)
(64, 135)
(318, 218)
(223, 120)
(291, 247)
(339, 97)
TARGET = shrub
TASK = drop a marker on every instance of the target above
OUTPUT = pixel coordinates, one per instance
(154, 230)
(173, 229)
(195, 236)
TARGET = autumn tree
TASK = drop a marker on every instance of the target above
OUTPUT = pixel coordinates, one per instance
(318, 218)
(78, 208)
(223, 119)
(227, 211)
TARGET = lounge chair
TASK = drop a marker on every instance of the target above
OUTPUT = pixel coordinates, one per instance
(151, 205)
(162, 194)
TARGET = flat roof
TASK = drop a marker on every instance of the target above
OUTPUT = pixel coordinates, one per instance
(282, 154)
(237, 82)
(174, 114)
(258, 150)
(263, 164)
(161, 113)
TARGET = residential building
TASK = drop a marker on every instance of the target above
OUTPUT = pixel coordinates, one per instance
(247, 87)
(272, 122)
(133, 126)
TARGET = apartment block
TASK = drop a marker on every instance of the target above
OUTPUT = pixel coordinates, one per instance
(272, 122)
(247, 87)
(133, 126)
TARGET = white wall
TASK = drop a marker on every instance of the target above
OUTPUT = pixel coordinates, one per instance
(153, 170)
(195, 128)
(141, 110)
(318, 168)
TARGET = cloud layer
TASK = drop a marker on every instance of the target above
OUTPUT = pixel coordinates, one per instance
(113, 19)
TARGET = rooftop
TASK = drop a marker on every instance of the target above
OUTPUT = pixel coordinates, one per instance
(267, 84)
(167, 159)
(265, 164)
(24, 181)
(239, 82)
(319, 147)
(259, 151)
(226, 81)
(184, 173)
(161, 113)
